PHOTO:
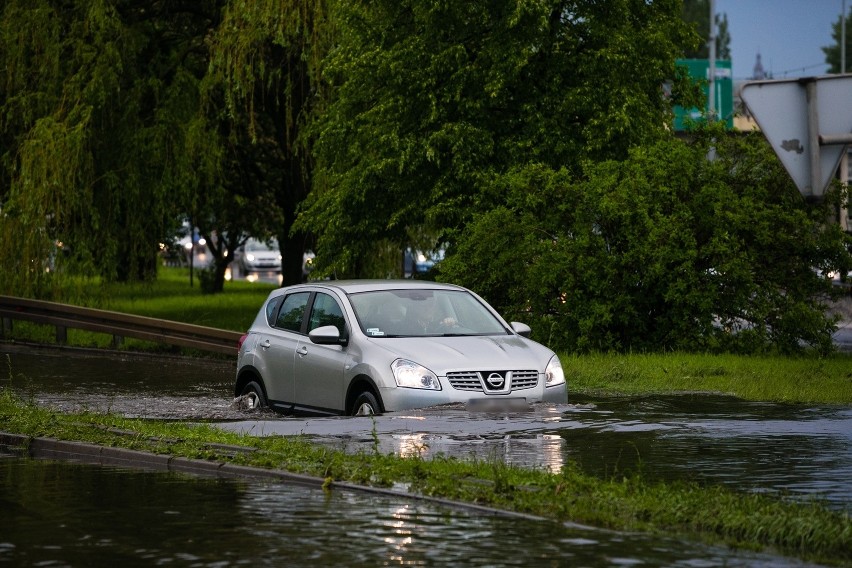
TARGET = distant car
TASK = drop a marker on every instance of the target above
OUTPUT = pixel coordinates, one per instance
(419, 262)
(367, 347)
(260, 256)
(308, 263)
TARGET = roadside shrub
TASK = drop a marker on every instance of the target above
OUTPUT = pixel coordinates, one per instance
(665, 250)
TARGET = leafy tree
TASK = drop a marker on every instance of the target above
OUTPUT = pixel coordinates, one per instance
(832, 52)
(697, 13)
(95, 102)
(114, 128)
(431, 101)
(664, 250)
(266, 59)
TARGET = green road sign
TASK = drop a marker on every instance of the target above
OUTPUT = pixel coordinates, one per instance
(699, 70)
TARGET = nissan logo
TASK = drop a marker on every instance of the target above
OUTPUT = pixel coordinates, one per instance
(495, 380)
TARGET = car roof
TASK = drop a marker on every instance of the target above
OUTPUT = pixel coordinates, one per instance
(356, 286)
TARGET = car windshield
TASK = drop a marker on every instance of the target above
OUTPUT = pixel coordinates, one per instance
(424, 313)
(260, 246)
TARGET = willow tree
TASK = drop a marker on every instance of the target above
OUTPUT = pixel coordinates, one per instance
(266, 58)
(95, 103)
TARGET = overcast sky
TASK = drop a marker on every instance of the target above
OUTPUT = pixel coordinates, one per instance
(789, 35)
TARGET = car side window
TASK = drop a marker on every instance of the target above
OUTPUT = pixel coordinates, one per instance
(271, 308)
(326, 311)
(292, 311)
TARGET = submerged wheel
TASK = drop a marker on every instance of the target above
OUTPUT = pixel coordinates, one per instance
(366, 405)
(253, 396)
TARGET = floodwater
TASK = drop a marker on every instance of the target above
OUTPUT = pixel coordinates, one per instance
(801, 452)
(71, 514)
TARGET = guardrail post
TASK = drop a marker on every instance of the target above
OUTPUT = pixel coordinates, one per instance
(61, 335)
(117, 341)
(5, 326)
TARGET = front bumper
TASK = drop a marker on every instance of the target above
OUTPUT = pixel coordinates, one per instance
(399, 398)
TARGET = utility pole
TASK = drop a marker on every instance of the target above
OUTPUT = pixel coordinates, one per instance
(843, 39)
(711, 45)
(844, 160)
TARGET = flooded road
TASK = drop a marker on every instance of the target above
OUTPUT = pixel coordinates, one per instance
(71, 514)
(803, 452)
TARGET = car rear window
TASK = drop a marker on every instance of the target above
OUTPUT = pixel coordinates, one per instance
(292, 311)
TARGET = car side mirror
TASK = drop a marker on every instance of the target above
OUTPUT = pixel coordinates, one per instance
(521, 329)
(327, 335)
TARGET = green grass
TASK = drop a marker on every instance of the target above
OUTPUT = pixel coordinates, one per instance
(807, 379)
(711, 514)
(765, 378)
(171, 297)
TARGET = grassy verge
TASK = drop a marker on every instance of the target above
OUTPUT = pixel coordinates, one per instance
(825, 380)
(776, 379)
(711, 514)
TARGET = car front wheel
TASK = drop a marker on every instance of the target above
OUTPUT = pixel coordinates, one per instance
(365, 405)
(253, 396)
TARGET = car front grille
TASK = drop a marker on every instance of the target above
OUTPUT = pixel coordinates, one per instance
(474, 381)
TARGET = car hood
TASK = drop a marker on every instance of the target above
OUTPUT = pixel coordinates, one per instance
(446, 354)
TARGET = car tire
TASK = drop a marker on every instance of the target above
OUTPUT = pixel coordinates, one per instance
(366, 405)
(254, 396)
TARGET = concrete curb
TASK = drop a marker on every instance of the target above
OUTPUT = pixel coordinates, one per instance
(50, 448)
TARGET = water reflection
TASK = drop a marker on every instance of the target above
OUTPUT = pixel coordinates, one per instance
(801, 451)
(69, 514)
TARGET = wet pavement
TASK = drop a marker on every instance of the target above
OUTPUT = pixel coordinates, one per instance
(800, 451)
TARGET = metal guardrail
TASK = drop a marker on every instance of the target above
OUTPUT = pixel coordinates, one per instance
(117, 324)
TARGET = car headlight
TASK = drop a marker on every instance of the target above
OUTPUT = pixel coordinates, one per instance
(411, 375)
(250, 257)
(553, 374)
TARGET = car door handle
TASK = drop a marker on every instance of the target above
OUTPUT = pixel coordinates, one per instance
(266, 344)
(302, 351)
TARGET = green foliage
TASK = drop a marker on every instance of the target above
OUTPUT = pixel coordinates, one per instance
(697, 13)
(265, 67)
(530, 136)
(94, 109)
(665, 250)
(832, 52)
(431, 101)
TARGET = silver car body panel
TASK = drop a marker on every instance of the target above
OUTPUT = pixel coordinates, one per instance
(302, 376)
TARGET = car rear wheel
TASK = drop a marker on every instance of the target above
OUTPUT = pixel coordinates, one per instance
(365, 405)
(253, 396)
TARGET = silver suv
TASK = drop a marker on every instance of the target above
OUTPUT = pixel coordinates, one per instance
(367, 347)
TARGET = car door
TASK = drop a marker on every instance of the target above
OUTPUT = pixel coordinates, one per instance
(278, 349)
(320, 369)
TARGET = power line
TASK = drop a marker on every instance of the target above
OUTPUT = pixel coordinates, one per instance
(797, 69)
